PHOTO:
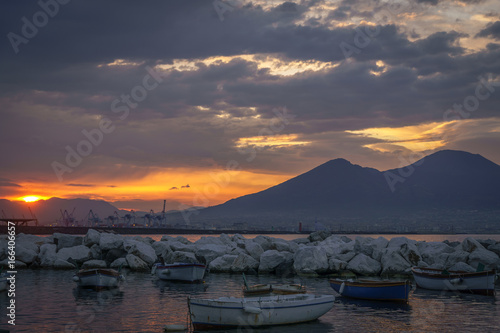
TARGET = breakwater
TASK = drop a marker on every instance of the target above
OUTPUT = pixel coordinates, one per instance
(317, 254)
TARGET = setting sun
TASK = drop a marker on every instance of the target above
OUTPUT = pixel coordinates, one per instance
(31, 198)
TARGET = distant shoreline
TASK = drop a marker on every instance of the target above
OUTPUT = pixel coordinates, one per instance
(49, 230)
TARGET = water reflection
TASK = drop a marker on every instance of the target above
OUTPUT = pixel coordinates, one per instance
(170, 287)
(49, 301)
(101, 297)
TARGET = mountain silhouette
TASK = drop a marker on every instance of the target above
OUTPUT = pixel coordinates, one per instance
(444, 182)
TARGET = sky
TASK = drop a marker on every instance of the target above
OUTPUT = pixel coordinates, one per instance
(198, 102)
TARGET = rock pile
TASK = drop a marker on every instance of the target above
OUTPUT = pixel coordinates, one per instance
(320, 253)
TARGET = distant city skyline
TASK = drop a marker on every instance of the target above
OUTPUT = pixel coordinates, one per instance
(199, 102)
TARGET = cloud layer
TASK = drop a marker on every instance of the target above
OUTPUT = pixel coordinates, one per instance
(184, 88)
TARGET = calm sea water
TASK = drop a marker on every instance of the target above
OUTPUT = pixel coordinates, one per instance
(49, 301)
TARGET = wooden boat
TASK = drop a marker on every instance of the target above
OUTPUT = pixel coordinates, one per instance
(467, 282)
(231, 312)
(276, 289)
(98, 278)
(373, 290)
(267, 289)
(189, 272)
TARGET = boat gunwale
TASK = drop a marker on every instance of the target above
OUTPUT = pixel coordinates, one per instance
(438, 273)
(179, 265)
(97, 271)
(371, 284)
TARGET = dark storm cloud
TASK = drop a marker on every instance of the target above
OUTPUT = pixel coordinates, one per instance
(55, 79)
(8, 183)
(491, 30)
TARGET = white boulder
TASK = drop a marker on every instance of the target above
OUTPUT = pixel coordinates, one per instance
(26, 255)
(109, 241)
(95, 251)
(47, 255)
(310, 260)
(485, 257)
(254, 249)
(264, 241)
(179, 246)
(319, 236)
(63, 264)
(430, 250)
(140, 249)
(78, 253)
(335, 265)
(244, 263)
(226, 240)
(92, 237)
(393, 262)
(209, 252)
(120, 262)
(458, 256)
(271, 259)
(363, 265)
(136, 264)
(495, 248)
(222, 264)
(64, 240)
(94, 264)
(345, 256)
(160, 248)
(470, 244)
(461, 266)
(181, 257)
(33, 239)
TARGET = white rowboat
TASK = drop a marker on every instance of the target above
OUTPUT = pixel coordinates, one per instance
(230, 312)
(98, 278)
(189, 272)
(466, 282)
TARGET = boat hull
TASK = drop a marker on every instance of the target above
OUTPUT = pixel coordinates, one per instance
(278, 289)
(397, 291)
(180, 272)
(97, 278)
(232, 312)
(466, 282)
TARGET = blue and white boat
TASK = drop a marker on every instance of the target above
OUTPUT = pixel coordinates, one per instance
(372, 289)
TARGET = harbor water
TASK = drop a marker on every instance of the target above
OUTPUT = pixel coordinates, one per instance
(49, 301)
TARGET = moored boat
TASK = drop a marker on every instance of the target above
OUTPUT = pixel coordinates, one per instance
(466, 282)
(189, 272)
(373, 290)
(277, 289)
(98, 278)
(231, 312)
